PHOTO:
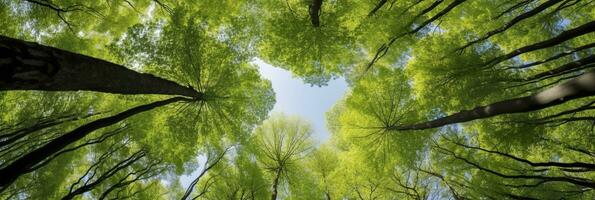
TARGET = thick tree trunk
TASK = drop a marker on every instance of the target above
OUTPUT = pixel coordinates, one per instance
(276, 184)
(22, 165)
(314, 11)
(31, 66)
(582, 86)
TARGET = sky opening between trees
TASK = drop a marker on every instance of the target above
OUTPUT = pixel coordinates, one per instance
(163, 99)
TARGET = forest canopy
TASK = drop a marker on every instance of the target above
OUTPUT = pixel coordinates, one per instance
(162, 99)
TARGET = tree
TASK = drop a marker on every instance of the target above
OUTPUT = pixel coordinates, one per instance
(323, 163)
(240, 178)
(367, 126)
(580, 87)
(31, 66)
(280, 142)
(294, 41)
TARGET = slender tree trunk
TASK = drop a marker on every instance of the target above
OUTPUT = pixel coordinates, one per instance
(579, 87)
(377, 7)
(207, 167)
(108, 174)
(9, 138)
(22, 165)
(31, 66)
(438, 15)
(276, 184)
(562, 37)
(569, 67)
(514, 21)
(314, 11)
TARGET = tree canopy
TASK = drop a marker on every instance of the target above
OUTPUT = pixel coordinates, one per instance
(162, 99)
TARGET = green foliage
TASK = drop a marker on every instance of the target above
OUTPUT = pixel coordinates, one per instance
(409, 62)
(280, 144)
(316, 54)
(365, 125)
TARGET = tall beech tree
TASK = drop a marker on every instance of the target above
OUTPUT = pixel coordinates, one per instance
(580, 87)
(30, 66)
(292, 39)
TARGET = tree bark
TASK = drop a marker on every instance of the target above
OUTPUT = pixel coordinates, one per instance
(314, 11)
(579, 87)
(31, 66)
(276, 184)
(22, 165)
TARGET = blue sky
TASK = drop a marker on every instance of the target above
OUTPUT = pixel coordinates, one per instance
(294, 97)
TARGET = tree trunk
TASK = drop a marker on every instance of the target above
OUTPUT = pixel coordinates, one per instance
(377, 7)
(438, 15)
(514, 21)
(31, 66)
(314, 11)
(567, 68)
(86, 187)
(562, 37)
(582, 86)
(207, 167)
(276, 184)
(22, 165)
